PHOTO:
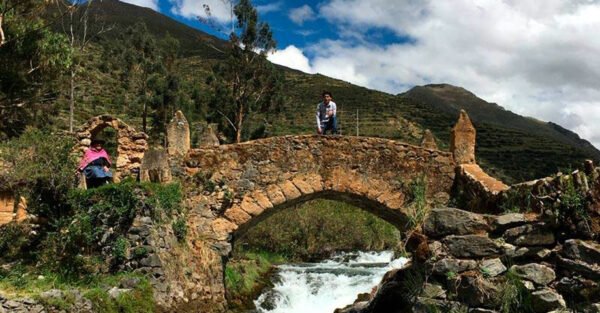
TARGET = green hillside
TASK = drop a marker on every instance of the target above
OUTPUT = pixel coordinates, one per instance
(510, 146)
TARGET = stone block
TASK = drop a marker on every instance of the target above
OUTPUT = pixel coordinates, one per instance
(289, 190)
(588, 252)
(275, 195)
(579, 267)
(237, 215)
(537, 273)
(492, 267)
(444, 266)
(303, 186)
(530, 235)
(472, 246)
(250, 206)
(546, 300)
(449, 221)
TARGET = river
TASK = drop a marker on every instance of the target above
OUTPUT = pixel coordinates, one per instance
(322, 287)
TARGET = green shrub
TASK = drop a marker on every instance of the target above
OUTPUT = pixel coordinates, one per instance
(418, 207)
(180, 228)
(246, 275)
(14, 240)
(572, 206)
(41, 169)
(164, 198)
(99, 218)
(120, 247)
(318, 228)
(140, 252)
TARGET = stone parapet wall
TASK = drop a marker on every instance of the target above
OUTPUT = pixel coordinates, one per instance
(256, 179)
(472, 262)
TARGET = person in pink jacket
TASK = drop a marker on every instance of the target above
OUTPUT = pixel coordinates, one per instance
(95, 165)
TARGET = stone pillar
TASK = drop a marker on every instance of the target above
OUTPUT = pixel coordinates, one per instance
(178, 135)
(155, 167)
(428, 141)
(462, 140)
(208, 136)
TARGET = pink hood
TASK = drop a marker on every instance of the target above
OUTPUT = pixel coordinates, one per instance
(91, 155)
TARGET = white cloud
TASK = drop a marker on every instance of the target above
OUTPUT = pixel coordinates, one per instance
(302, 14)
(291, 57)
(270, 7)
(219, 10)
(152, 4)
(537, 59)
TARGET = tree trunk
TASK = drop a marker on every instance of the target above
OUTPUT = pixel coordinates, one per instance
(72, 100)
(144, 114)
(2, 38)
(72, 79)
(240, 118)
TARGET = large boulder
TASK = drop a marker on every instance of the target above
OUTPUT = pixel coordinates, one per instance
(449, 221)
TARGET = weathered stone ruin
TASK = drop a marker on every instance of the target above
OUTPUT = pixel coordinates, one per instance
(155, 166)
(428, 141)
(462, 140)
(178, 135)
(131, 144)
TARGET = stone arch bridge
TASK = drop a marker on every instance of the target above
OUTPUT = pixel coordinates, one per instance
(230, 188)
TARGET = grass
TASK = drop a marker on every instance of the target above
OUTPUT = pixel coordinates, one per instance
(27, 282)
(514, 297)
(246, 275)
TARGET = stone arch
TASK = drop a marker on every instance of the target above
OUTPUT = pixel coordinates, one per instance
(131, 144)
(372, 195)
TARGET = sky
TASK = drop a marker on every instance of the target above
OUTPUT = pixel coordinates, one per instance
(539, 58)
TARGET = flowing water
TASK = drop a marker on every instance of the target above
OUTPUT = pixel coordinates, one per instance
(323, 287)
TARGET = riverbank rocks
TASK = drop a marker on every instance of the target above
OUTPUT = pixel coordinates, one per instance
(474, 259)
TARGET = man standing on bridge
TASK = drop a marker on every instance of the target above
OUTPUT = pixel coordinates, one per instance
(326, 115)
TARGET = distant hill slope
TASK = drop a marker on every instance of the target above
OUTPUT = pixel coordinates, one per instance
(193, 42)
(509, 146)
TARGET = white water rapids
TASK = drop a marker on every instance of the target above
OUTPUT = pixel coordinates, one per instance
(323, 287)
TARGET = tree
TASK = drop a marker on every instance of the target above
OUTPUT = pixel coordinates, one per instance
(76, 25)
(138, 54)
(32, 58)
(245, 81)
